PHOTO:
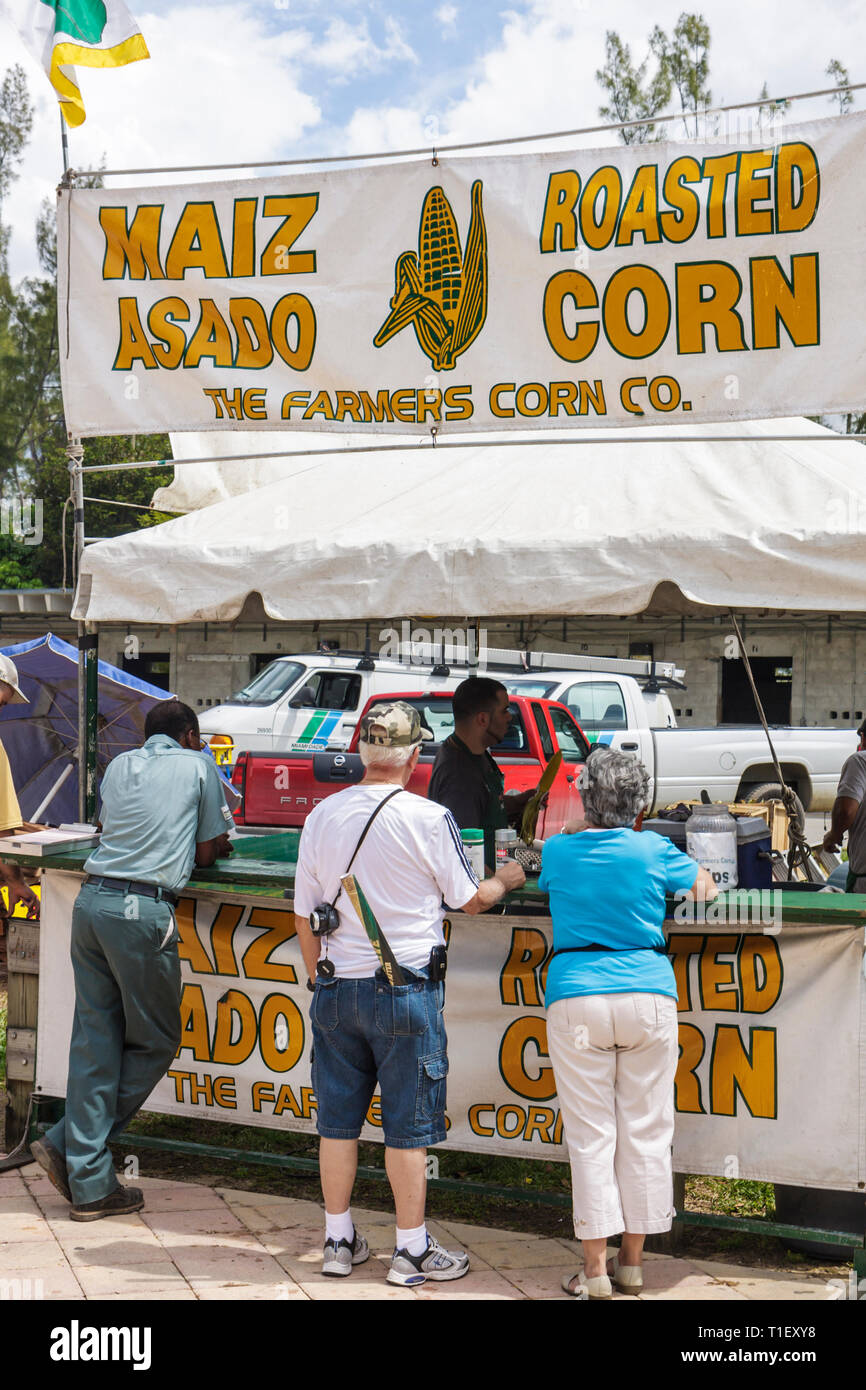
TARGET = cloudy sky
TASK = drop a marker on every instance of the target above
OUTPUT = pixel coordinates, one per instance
(298, 78)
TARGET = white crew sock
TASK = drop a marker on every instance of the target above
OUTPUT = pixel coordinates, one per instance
(339, 1227)
(414, 1241)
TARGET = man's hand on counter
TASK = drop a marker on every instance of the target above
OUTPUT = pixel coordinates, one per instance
(517, 801)
(18, 891)
(507, 879)
(207, 852)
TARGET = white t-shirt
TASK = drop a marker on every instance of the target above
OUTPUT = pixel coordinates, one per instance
(412, 857)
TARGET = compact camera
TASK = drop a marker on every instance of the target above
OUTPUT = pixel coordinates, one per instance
(324, 919)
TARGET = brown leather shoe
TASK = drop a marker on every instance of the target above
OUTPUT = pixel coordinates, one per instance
(54, 1165)
(118, 1203)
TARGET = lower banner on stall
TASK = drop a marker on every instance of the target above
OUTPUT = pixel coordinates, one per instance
(771, 1082)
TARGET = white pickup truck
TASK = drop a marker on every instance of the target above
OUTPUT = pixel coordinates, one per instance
(732, 764)
(311, 701)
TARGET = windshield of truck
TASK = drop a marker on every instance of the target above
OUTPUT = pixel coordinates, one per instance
(267, 687)
(437, 716)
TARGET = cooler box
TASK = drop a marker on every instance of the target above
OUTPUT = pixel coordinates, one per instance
(754, 865)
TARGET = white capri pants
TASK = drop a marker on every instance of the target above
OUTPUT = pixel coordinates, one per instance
(614, 1059)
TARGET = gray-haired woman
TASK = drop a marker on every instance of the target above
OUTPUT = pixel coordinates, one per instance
(612, 1016)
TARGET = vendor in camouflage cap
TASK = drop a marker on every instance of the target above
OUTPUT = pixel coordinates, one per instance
(393, 725)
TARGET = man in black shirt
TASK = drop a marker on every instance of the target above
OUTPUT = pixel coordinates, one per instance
(465, 777)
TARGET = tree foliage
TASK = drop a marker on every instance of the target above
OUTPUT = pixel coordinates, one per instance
(630, 96)
(682, 62)
(33, 436)
(769, 108)
(16, 123)
(686, 56)
(842, 96)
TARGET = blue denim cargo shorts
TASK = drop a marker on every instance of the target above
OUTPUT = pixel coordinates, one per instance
(364, 1032)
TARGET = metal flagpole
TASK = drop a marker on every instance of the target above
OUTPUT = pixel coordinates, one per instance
(75, 455)
(88, 656)
(64, 143)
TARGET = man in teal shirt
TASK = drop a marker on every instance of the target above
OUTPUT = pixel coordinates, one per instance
(163, 810)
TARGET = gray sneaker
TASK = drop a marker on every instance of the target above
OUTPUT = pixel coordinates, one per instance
(433, 1263)
(339, 1256)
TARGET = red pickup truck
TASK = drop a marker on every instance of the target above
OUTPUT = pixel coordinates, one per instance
(282, 788)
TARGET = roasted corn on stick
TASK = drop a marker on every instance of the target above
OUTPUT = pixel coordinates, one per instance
(531, 809)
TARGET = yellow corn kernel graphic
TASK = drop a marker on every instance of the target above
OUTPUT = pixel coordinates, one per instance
(439, 291)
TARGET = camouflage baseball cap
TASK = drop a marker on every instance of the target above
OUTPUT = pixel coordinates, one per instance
(393, 725)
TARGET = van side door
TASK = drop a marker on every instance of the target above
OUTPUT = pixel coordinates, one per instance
(327, 716)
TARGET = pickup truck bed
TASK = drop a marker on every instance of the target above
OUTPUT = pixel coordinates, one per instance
(728, 761)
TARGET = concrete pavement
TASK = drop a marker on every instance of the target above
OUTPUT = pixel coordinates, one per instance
(193, 1242)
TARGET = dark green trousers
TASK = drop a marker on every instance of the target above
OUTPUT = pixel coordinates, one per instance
(126, 1028)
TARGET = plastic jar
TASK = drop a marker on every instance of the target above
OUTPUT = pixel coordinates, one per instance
(711, 839)
(473, 843)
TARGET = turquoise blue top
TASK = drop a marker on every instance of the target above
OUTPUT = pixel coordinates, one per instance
(158, 801)
(609, 886)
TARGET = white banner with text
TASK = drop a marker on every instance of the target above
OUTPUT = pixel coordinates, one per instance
(676, 283)
(772, 1033)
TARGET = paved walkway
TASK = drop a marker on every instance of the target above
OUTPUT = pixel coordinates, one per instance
(194, 1242)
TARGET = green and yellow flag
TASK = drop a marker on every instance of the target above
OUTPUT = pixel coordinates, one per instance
(59, 33)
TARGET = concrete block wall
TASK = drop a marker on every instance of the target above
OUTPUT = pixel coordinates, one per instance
(828, 654)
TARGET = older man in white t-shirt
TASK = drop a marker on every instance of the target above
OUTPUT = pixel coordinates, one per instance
(407, 857)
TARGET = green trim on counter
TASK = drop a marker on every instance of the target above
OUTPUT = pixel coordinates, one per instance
(263, 866)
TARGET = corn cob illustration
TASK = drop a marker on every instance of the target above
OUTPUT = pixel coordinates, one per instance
(439, 291)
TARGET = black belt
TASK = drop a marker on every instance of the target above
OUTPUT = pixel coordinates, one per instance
(596, 946)
(124, 885)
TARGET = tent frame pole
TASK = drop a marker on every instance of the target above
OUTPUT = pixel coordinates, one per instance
(88, 657)
(91, 711)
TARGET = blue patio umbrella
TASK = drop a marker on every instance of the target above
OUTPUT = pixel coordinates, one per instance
(41, 738)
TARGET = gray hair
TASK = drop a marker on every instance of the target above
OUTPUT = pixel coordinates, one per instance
(614, 787)
(381, 755)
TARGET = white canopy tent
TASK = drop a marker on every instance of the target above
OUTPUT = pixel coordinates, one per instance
(593, 527)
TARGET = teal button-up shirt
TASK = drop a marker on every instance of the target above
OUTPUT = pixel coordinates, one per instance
(158, 802)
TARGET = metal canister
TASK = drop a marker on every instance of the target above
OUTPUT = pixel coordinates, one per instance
(506, 843)
(711, 839)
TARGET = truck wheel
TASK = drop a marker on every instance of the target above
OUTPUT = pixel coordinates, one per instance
(771, 791)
